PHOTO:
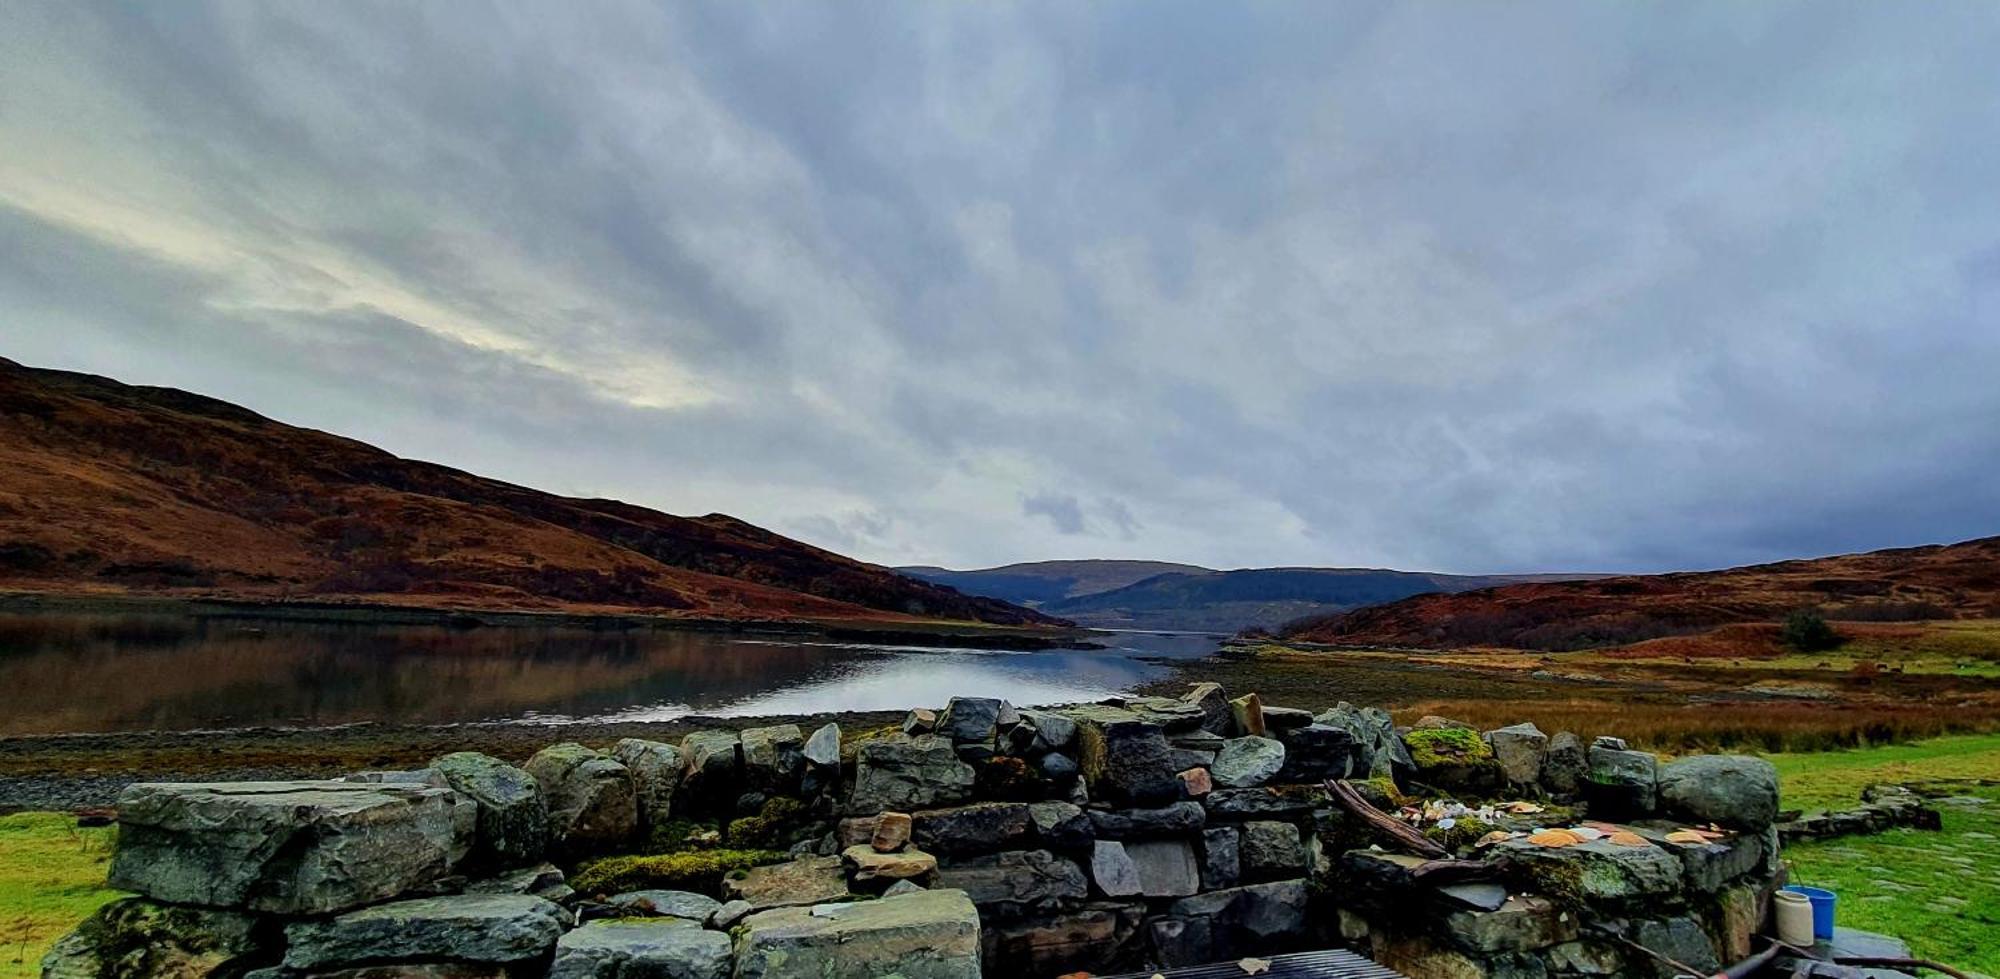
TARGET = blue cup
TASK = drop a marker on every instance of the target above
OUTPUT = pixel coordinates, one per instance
(1822, 907)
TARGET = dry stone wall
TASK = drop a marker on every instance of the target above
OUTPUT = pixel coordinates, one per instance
(975, 838)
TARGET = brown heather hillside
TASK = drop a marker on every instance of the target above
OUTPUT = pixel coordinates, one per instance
(1905, 584)
(113, 489)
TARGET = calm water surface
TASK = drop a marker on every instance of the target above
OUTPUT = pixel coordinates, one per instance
(134, 672)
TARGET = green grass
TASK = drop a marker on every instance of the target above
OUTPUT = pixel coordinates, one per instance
(51, 877)
(1938, 891)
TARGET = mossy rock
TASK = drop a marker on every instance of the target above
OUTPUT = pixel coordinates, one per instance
(1381, 792)
(677, 835)
(1443, 746)
(701, 871)
(1464, 831)
(777, 824)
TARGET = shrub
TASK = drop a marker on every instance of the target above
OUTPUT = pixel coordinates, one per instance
(1806, 631)
(700, 871)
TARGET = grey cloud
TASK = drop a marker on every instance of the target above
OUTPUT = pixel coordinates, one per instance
(1543, 287)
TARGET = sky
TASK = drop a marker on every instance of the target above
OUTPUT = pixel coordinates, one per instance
(1454, 287)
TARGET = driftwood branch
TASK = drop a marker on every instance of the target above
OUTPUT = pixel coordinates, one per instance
(1442, 872)
(1395, 829)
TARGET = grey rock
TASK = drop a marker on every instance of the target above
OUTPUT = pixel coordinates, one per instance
(903, 887)
(1565, 766)
(904, 773)
(1233, 805)
(1730, 790)
(511, 816)
(1221, 858)
(982, 827)
(1707, 868)
(920, 720)
(1679, 938)
(1112, 870)
(927, 935)
(971, 720)
(1610, 743)
(1127, 762)
(1477, 895)
(1622, 784)
(807, 880)
(1214, 704)
(1598, 872)
(282, 847)
(1053, 731)
(1271, 850)
(544, 880)
(1179, 819)
(657, 769)
(1247, 761)
(823, 748)
(1381, 751)
(1017, 882)
(1166, 868)
(1433, 722)
(1520, 924)
(462, 928)
(773, 757)
(1519, 749)
(664, 948)
(1317, 752)
(1058, 767)
(730, 913)
(593, 803)
(1250, 919)
(1203, 741)
(1061, 825)
(134, 938)
(666, 904)
(1282, 718)
(714, 766)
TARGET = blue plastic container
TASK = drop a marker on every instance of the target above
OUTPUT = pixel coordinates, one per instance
(1822, 905)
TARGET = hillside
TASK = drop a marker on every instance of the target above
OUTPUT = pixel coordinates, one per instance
(1227, 601)
(114, 489)
(1934, 582)
(1041, 582)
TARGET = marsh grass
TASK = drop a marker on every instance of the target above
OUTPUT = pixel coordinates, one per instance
(51, 877)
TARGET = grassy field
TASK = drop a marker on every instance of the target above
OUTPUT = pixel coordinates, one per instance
(51, 877)
(1939, 891)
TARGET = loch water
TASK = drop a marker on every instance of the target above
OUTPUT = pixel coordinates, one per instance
(66, 672)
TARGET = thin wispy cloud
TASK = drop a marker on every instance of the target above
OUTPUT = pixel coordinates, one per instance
(1460, 288)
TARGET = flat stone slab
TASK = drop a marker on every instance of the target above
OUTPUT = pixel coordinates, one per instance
(807, 880)
(929, 935)
(459, 928)
(657, 948)
(303, 847)
(666, 904)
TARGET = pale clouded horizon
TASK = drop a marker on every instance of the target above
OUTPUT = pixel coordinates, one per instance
(1448, 287)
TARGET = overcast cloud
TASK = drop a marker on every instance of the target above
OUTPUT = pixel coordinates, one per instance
(1467, 287)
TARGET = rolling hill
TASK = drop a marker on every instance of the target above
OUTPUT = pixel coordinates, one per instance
(1905, 584)
(1159, 595)
(115, 489)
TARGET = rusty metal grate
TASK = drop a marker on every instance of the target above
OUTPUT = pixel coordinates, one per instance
(1329, 964)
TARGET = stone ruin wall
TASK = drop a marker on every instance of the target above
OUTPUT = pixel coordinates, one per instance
(1131, 834)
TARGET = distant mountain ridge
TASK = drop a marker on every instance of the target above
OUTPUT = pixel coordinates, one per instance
(1187, 597)
(1940, 581)
(115, 489)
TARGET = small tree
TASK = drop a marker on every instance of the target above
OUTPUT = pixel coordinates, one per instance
(1806, 631)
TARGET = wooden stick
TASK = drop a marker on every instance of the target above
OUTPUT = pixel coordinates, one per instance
(1389, 826)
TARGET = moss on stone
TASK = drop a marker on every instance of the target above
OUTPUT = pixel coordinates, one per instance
(775, 825)
(675, 835)
(700, 871)
(1464, 831)
(1382, 792)
(1447, 746)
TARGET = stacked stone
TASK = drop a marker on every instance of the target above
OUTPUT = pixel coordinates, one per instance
(1556, 912)
(1142, 831)
(1883, 807)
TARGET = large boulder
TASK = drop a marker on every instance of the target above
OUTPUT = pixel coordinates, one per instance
(807, 880)
(1519, 750)
(135, 938)
(1381, 752)
(657, 769)
(282, 847)
(644, 948)
(714, 775)
(982, 827)
(904, 773)
(1317, 752)
(1247, 761)
(1127, 761)
(496, 928)
(512, 820)
(1565, 766)
(774, 757)
(927, 935)
(1017, 882)
(1256, 919)
(971, 720)
(1730, 790)
(1271, 850)
(593, 803)
(1623, 784)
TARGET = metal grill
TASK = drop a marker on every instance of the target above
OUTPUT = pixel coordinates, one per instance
(1329, 964)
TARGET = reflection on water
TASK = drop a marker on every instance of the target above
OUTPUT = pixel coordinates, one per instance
(128, 672)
